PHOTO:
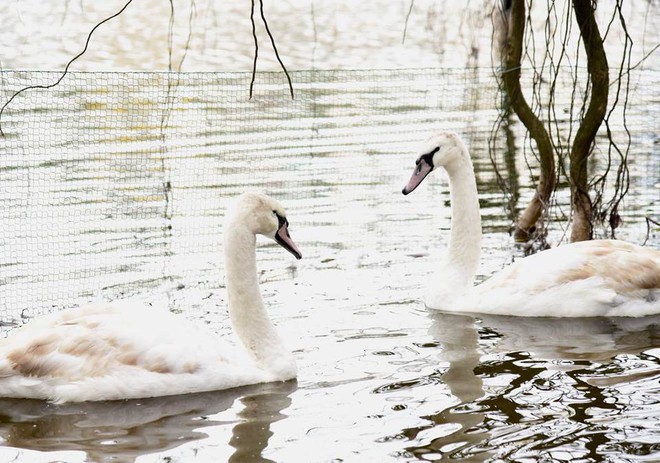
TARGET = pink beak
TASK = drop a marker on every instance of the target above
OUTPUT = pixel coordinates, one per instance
(421, 171)
(284, 239)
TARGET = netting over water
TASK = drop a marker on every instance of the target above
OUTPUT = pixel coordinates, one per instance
(113, 183)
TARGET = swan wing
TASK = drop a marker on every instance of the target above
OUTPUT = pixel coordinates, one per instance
(106, 351)
(581, 279)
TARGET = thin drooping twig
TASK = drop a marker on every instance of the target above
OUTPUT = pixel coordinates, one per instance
(170, 37)
(405, 25)
(622, 181)
(256, 48)
(272, 41)
(316, 39)
(66, 69)
(649, 221)
(635, 66)
(186, 48)
(170, 65)
(173, 80)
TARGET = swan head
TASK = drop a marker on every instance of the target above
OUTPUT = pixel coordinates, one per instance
(441, 150)
(262, 215)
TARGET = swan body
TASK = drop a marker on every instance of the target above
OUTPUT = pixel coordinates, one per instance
(127, 351)
(583, 279)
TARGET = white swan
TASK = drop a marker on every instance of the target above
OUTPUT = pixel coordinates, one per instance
(584, 279)
(113, 351)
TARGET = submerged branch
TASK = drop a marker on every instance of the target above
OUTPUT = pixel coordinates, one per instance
(598, 70)
(511, 78)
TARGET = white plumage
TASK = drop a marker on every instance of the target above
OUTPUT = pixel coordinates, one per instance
(120, 351)
(584, 279)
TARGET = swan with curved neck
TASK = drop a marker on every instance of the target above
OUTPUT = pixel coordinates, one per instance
(120, 351)
(584, 279)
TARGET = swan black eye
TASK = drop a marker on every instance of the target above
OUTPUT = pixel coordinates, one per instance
(281, 220)
(427, 158)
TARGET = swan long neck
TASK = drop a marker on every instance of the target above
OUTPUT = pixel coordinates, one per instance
(464, 251)
(246, 308)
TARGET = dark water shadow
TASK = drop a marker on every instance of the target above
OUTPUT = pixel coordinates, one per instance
(125, 430)
(459, 338)
(594, 339)
(260, 410)
(532, 346)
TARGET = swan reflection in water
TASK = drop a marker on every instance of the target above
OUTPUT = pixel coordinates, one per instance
(126, 430)
(519, 378)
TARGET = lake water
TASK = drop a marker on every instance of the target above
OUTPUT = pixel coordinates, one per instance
(100, 202)
(114, 184)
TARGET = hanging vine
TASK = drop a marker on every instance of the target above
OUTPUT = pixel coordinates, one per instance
(564, 136)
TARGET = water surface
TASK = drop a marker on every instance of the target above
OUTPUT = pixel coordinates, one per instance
(114, 185)
(109, 194)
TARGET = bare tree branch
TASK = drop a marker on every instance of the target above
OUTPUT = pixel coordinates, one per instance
(511, 78)
(598, 70)
(66, 69)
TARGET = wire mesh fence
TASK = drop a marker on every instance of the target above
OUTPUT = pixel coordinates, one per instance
(111, 183)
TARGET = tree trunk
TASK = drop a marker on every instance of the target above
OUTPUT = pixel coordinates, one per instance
(598, 70)
(511, 80)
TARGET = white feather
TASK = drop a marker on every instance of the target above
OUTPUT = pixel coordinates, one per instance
(124, 351)
(585, 279)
